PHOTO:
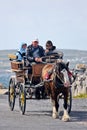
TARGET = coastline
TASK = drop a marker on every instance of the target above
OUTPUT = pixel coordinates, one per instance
(3, 91)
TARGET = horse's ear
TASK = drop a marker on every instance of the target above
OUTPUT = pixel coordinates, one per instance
(67, 64)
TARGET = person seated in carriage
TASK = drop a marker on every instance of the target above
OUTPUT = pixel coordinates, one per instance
(21, 52)
(34, 53)
(51, 49)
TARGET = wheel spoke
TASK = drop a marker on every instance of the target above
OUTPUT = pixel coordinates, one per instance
(22, 99)
(11, 94)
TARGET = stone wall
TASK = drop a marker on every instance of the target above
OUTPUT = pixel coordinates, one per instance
(80, 84)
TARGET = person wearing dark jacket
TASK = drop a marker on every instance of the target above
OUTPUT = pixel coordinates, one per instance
(35, 52)
(49, 47)
(51, 50)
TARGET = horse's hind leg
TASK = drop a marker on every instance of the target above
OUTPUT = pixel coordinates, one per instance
(66, 116)
(55, 106)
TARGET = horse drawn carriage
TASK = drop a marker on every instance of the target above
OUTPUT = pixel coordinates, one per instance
(37, 86)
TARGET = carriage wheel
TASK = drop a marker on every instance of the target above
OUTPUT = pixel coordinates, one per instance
(69, 103)
(22, 99)
(11, 93)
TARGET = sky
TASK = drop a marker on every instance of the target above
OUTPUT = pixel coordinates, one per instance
(64, 22)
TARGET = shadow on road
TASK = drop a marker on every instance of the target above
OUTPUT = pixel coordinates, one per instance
(80, 116)
(38, 113)
(76, 116)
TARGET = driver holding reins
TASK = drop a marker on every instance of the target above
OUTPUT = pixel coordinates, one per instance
(35, 52)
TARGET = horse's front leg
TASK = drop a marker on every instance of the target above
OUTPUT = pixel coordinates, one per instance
(66, 116)
(55, 106)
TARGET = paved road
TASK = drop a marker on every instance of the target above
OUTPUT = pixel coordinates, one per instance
(38, 116)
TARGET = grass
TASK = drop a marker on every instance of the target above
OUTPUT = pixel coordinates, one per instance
(81, 96)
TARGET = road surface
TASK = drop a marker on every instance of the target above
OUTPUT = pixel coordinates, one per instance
(38, 116)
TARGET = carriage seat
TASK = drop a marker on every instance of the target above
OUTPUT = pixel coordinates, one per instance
(15, 66)
(37, 69)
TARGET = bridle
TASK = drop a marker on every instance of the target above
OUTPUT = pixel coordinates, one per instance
(56, 74)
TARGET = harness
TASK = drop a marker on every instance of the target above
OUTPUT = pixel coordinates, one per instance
(57, 84)
(22, 55)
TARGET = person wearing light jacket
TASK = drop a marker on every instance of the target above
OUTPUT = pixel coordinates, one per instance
(21, 52)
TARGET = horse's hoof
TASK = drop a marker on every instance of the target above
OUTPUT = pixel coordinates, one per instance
(65, 119)
(55, 116)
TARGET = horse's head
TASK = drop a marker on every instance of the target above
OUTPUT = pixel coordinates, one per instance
(61, 71)
(60, 65)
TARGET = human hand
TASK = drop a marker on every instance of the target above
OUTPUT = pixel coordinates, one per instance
(38, 59)
(46, 50)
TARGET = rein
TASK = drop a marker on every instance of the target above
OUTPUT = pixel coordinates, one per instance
(58, 84)
(59, 77)
(63, 84)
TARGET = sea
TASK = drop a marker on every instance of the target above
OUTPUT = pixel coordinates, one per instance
(73, 56)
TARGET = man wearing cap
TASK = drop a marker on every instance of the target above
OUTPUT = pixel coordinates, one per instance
(35, 52)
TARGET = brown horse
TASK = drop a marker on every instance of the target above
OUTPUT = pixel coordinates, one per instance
(59, 84)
